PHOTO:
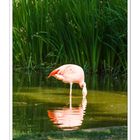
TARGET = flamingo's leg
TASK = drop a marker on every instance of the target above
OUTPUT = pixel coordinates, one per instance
(70, 95)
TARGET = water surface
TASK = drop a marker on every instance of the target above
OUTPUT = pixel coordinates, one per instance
(47, 107)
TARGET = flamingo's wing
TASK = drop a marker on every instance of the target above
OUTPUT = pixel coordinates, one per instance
(57, 73)
(53, 72)
(63, 71)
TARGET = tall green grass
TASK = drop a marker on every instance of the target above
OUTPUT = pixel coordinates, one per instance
(90, 33)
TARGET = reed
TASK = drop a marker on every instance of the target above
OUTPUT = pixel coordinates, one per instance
(90, 33)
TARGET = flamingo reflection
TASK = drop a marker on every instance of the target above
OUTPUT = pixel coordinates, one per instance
(68, 118)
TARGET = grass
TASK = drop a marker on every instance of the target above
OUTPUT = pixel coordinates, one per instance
(109, 133)
(90, 33)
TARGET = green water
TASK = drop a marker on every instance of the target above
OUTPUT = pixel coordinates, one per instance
(46, 107)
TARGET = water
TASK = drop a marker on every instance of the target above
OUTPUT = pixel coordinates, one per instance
(45, 105)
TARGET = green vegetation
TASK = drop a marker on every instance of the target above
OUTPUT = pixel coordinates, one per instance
(23, 78)
(110, 133)
(90, 33)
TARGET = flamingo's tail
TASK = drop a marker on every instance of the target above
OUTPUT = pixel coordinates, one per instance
(53, 72)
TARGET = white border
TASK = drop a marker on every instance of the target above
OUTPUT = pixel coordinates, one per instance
(5, 70)
(135, 69)
(11, 68)
(128, 69)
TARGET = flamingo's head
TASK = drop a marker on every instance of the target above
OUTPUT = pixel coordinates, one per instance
(84, 88)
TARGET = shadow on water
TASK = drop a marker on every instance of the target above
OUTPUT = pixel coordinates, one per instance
(41, 107)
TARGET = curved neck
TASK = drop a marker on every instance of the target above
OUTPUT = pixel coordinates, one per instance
(84, 89)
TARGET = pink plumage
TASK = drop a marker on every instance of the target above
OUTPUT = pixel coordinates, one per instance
(70, 73)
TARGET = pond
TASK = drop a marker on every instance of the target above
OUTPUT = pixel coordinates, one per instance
(43, 105)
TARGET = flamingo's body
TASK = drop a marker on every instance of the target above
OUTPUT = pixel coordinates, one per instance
(70, 73)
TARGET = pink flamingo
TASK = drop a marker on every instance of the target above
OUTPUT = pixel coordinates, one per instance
(70, 73)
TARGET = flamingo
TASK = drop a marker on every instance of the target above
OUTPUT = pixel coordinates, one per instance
(71, 73)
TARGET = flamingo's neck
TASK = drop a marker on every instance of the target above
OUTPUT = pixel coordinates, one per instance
(84, 89)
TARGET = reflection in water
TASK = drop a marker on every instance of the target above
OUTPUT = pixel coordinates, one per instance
(68, 118)
(43, 110)
(33, 95)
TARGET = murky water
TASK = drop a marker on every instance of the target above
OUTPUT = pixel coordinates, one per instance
(48, 107)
